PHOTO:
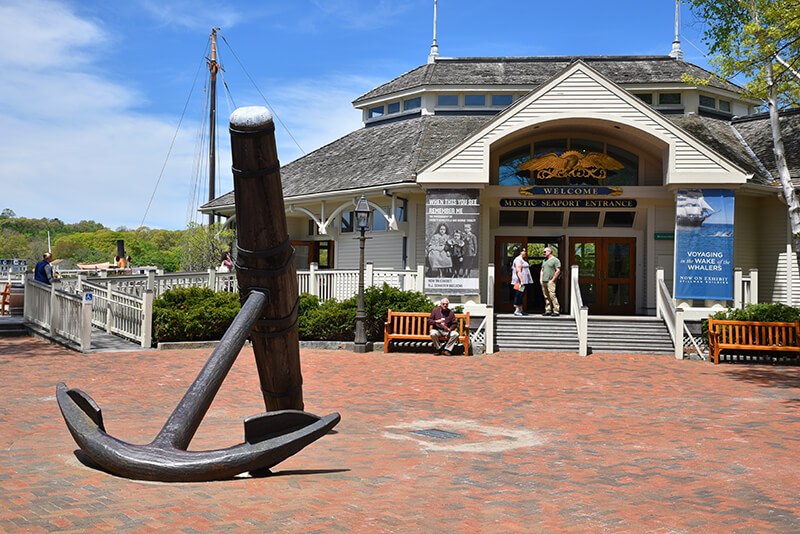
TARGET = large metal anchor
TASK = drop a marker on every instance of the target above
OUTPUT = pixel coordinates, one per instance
(266, 275)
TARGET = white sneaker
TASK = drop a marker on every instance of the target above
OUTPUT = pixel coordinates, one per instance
(518, 313)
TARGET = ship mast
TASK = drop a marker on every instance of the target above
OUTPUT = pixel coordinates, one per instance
(213, 67)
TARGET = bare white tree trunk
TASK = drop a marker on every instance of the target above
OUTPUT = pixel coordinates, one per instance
(789, 192)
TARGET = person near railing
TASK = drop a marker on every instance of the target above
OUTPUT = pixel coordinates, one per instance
(551, 269)
(520, 277)
(43, 272)
(442, 323)
(227, 263)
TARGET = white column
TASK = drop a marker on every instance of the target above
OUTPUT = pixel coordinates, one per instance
(659, 298)
(753, 286)
(212, 279)
(151, 281)
(737, 288)
(147, 318)
(109, 308)
(369, 275)
(53, 311)
(420, 287)
(312, 279)
(86, 321)
(678, 333)
(490, 284)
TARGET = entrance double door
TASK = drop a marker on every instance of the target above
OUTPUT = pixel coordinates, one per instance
(506, 249)
(606, 273)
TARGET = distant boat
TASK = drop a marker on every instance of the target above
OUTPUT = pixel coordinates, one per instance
(692, 209)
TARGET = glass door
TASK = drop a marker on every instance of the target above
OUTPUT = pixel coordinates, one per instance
(506, 249)
(606, 273)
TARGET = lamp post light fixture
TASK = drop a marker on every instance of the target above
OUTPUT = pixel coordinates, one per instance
(362, 221)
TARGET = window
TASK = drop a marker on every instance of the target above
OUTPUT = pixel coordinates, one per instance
(584, 218)
(513, 218)
(475, 100)
(412, 103)
(619, 219)
(312, 227)
(325, 254)
(394, 107)
(725, 105)
(548, 218)
(447, 100)
(669, 99)
(375, 112)
(707, 101)
(378, 221)
(559, 146)
(508, 172)
(347, 221)
(402, 213)
(502, 100)
(586, 146)
(647, 98)
(629, 174)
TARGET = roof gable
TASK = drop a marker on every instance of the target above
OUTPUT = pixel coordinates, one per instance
(580, 92)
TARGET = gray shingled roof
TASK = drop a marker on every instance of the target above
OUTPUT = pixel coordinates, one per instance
(719, 136)
(533, 71)
(755, 129)
(383, 154)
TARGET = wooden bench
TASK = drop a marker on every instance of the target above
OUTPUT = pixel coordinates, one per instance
(5, 300)
(749, 335)
(413, 326)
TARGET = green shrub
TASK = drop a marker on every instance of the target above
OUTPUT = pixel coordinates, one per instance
(337, 320)
(775, 312)
(193, 314)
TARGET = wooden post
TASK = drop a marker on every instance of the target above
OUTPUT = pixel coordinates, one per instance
(265, 258)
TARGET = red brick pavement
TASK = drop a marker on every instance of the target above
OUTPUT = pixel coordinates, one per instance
(544, 442)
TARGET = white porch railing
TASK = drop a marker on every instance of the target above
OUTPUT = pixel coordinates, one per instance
(673, 317)
(59, 314)
(120, 313)
(579, 311)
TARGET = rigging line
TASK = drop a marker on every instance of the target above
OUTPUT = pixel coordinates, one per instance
(172, 144)
(198, 184)
(736, 78)
(262, 94)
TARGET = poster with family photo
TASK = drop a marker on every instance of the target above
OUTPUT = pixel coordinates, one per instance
(452, 218)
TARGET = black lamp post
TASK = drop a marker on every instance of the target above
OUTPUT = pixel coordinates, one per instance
(362, 220)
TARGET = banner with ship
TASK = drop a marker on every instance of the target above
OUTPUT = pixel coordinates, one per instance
(704, 244)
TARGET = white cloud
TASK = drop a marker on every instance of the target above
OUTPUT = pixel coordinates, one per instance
(192, 14)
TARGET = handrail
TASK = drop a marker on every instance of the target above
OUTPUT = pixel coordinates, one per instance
(673, 317)
(62, 315)
(579, 311)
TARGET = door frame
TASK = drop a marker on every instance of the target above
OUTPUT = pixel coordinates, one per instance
(601, 278)
(533, 300)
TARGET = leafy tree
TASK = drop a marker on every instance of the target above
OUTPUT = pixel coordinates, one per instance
(7, 213)
(14, 245)
(761, 40)
(202, 246)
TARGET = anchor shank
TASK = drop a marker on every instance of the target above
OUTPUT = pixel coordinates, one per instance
(179, 429)
(264, 256)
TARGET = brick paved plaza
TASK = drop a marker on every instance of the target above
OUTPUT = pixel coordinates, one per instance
(527, 442)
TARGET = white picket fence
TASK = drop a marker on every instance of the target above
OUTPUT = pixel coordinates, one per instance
(59, 314)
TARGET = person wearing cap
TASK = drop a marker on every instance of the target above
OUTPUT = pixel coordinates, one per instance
(442, 323)
(43, 272)
(551, 269)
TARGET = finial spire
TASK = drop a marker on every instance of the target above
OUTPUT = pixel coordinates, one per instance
(677, 53)
(434, 47)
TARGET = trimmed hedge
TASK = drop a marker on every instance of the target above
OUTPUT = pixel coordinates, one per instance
(200, 314)
(193, 314)
(336, 321)
(775, 312)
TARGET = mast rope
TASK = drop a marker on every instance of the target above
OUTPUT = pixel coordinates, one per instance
(172, 145)
(262, 94)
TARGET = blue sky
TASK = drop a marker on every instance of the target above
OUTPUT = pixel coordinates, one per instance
(94, 89)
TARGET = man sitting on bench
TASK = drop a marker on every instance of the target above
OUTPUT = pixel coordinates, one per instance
(443, 325)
